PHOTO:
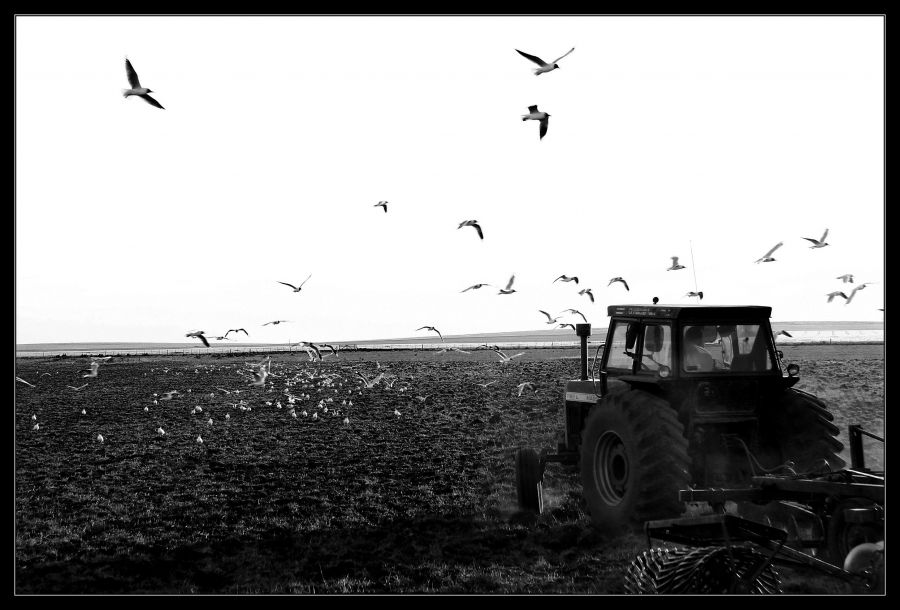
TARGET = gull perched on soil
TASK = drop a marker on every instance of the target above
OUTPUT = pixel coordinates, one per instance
(550, 319)
(199, 440)
(537, 115)
(543, 66)
(818, 243)
(373, 382)
(19, 379)
(100, 438)
(296, 288)
(382, 204)
(619, 279)
(199, 335)
(160, 431)
(92, 372)
(136, 89)
(675, 266)
(588, 292)
(526, 384)
(472, 223)
(475, 287)
(509, 289)
(432, 328)
(846, 278)
(767, 257)
(566, 278)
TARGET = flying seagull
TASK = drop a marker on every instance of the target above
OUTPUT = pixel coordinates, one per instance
(767, 257)
(855, 290)
(504, 358)
(543, 65)
(136, 88)
(198, 334)
(433, 329)
(563, 325)
(818, 243)
(297, 288)
(373, 382)
(537, 115)
(81, 387)
(566, 278)
(309, 346)
(329, 346)
(783, 332)
(675, 266)
(618, 279)
(19, 379)
(472, 223)
(588, 292)
(846, 278)
(509, 289)
(236, 330)
(550, 319)
(275, 322)
(382, 204)
(695, 294)
(575, 311)
(836, 293)
(475, 287)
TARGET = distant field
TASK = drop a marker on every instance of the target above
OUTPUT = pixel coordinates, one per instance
(811, 332)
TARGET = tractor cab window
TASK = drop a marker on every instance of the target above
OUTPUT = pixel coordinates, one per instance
(623, 346)
(657, 350)
(725, 347)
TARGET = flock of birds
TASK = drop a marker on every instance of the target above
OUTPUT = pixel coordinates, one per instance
(301, 391)
(543, 67)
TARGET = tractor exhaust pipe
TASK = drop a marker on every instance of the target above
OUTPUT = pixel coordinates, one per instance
(583, 331)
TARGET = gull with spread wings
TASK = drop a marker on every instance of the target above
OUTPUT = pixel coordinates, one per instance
(543, 66)
(136, 89)
(297, 288)
(509, 289)
(619, 279)
(382, 204)
(432, 328)
(538, 115)
(566, 278)
(675, 266)
(767, 257)
(472, 223)
(199, 335)
(818, 243)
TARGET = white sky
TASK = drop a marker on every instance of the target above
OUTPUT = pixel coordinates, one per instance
(724, 134)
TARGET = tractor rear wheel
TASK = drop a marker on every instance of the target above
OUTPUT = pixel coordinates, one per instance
(529, 480)
(800, 431)
(634, 459)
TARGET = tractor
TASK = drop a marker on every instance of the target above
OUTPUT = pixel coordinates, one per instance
(682, 397)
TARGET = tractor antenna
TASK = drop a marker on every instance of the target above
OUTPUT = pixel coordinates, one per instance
(693, 266)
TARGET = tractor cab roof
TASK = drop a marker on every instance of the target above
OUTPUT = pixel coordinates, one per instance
(689, 312)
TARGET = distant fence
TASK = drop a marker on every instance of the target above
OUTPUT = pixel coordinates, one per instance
(809, 337)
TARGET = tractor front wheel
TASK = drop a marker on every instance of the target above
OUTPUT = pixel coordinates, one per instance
(634, 460)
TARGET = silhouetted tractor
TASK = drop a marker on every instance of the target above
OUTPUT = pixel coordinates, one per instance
(659, 415)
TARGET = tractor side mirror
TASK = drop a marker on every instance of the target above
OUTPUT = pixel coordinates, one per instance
(780, 354)
(793, 370)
